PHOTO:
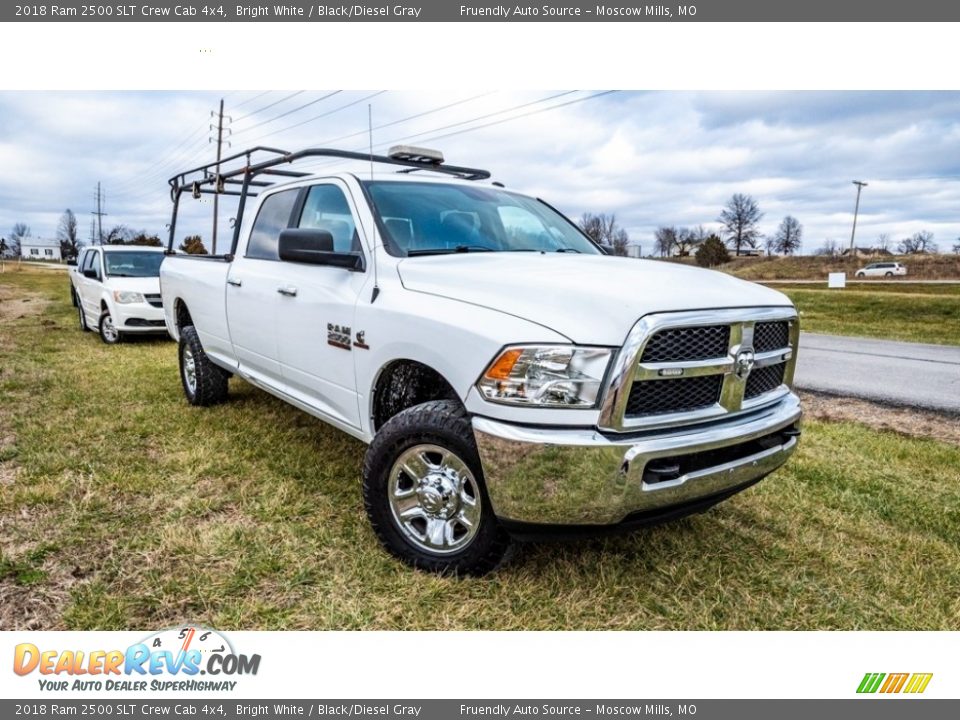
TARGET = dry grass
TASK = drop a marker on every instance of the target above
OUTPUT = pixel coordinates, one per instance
(132, 510)
(919, 267)
(902, 421)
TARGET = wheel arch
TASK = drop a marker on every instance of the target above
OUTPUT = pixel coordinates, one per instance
(402, 383)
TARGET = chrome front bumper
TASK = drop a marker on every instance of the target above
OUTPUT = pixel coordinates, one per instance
(550, 476)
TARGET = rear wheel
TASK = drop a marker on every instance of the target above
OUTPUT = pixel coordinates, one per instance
(889, 274)
(203, 382)
(108, 331)
(424, 494)
(861, 275)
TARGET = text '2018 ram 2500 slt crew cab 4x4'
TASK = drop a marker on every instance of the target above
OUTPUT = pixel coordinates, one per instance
(508, 376)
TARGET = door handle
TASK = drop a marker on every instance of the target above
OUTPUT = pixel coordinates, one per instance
(287, 290)
(236, 282)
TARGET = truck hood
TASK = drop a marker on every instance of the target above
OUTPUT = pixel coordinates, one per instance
(592, 300)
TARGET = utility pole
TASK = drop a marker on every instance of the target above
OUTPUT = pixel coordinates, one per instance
(99, 215)
(217, 187)
(856, 209)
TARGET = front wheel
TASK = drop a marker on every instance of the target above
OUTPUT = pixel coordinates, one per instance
(203, 382)
(108, 331)
(860, 275)
(424, 494)
(889, 274)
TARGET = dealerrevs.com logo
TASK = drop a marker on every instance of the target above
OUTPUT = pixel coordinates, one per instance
(179, 659)
(892, 683)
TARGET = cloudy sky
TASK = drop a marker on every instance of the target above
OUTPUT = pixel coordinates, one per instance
(651, 158)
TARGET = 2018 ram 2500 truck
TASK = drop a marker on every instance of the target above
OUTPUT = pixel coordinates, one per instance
(508, 376)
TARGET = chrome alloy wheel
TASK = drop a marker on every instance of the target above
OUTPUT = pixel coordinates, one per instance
(434, 499)
(109, 329)
(189, 370)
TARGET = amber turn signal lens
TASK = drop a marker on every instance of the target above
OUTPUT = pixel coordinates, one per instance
(500, 370)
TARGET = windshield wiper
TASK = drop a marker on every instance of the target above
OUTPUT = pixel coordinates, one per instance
(573, 250)
(449, 251)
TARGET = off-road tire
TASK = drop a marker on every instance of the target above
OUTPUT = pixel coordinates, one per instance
(118, 336)
(443, 423)
(211, 384)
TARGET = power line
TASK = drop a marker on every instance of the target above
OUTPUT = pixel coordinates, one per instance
(251, 99)
(290, 112)
(267, 107)
(317, 117)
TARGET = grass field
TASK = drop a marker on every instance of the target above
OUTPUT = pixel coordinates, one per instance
(122, 507)
(896, 311)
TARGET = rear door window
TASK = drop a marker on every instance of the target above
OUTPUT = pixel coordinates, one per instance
(273, 217)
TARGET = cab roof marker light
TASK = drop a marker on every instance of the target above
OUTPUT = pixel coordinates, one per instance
(411, 153)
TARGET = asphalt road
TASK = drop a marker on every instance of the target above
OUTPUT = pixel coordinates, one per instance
(898, 373)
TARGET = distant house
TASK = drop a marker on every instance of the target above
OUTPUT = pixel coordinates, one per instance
(40, 249)
(862, 252)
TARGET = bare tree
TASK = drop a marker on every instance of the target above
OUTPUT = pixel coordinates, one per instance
(604, 230)
(789, 236)
(741, 218)
(18, 234)
(919, 242)
(118, 235)
(664, 240)
(829, 248)
(67, 235)
(956, 246)
(770, 244)
(884, 242)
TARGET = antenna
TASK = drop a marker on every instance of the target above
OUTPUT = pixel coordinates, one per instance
(376, 277)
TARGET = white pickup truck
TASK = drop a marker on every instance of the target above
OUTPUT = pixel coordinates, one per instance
(510, 378)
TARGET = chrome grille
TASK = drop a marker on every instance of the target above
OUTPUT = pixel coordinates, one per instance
(769, 336)
(688, 343)
(688, 367)
(763, 380)
(657, 397)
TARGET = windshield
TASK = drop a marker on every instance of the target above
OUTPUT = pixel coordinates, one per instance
(434, 218)
(133, 264)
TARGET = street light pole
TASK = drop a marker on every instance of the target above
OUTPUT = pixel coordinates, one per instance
(860, 186)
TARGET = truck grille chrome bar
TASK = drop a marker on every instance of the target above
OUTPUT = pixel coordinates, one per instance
(687, 367)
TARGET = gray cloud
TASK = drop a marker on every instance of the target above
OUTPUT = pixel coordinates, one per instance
(652, 158)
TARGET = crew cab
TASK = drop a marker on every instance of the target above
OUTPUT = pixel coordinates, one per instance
(510, 378)
(116, 290)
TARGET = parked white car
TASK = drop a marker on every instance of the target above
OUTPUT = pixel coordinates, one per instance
(510, 378)
(883, 269)
(116, 289)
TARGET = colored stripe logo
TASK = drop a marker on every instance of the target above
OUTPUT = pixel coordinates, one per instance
(913, 683)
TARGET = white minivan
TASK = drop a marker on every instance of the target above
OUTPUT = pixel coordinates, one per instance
(882, 269)
(116, 289)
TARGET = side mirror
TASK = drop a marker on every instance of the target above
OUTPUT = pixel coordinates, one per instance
(91, 273)
(315, 247)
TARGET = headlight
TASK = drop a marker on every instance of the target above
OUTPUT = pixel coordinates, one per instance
(126, 297)
(548, 376)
